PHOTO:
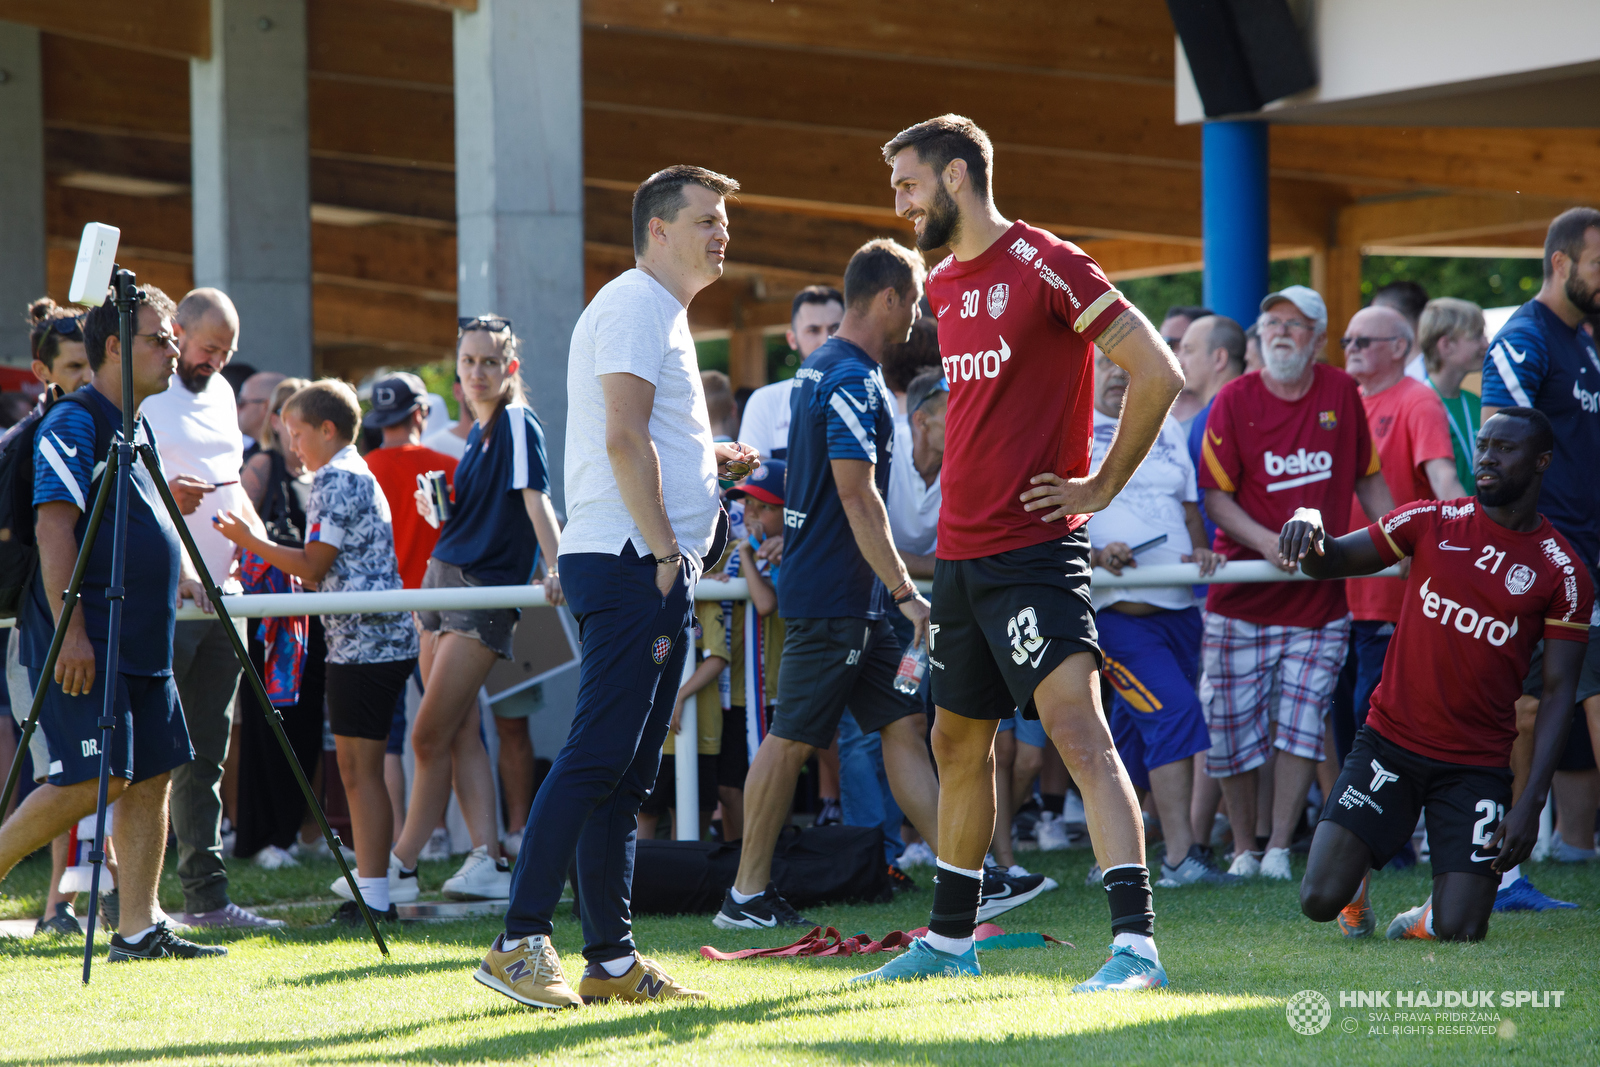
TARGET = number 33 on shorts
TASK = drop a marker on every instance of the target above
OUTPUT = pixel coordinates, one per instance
(1023, 629)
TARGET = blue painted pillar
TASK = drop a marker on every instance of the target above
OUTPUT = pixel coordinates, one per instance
(1234, 217)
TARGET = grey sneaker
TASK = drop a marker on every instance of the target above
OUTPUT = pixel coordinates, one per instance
(1197, 868)
(229, 915)
(1562, 852)
(1095, 877)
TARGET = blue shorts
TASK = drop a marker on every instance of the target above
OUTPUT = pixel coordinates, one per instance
(150, 736)
(1029, 731)
(1153, 663)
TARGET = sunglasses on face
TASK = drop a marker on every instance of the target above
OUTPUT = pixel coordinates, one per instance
(1360, 344)
(490, 323)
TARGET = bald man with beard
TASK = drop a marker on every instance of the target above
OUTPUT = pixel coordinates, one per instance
(202, 452)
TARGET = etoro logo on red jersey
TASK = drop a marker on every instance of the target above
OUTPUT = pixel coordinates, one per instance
(972, 365)
(1467, 621)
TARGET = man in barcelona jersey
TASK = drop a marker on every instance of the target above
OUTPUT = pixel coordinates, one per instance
(1489, 578)
(1012, 625)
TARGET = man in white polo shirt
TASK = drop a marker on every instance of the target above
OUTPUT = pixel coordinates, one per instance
(643, 519)
(202, 450)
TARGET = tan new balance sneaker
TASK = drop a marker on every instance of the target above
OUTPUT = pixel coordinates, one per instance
(528, 971)
(645, 981)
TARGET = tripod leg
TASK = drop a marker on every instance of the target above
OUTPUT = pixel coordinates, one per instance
(69, 601)
(273, 718)
(114, 598)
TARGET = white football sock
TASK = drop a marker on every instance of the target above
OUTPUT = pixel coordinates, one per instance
(140, 936)
(1430, 921)
(741, 898)
(953, 945)
(1510, 876)
(617, 968)
(375, 891)
(1141, 944)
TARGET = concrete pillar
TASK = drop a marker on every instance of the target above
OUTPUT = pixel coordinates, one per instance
(252, 177)
(22, 236)
(519, 187)
(1234, 217)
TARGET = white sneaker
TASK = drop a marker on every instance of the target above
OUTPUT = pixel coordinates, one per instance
(273, 858)
(480, 878)
(917, 854)
(438, 846)
(1095, 877)
(1072, 812)
(1017, 870)
(511, 844)
(1275, 864)
(1245, 865)
(1052, 833)
(403, 887)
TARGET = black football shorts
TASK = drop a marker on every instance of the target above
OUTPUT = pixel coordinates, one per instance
(1383, 787)
(1002, 623)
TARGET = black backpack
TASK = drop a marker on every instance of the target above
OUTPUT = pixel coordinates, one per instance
(19, 553)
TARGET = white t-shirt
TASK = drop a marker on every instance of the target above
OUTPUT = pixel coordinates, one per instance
(913, 504)
(765, 426)
(198, 435)
(1151, 504)
(447, 442)
(634, 326)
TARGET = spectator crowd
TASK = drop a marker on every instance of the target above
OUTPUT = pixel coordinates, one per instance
(1232, 705)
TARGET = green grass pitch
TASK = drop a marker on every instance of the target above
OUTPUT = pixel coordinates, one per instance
(310, 995)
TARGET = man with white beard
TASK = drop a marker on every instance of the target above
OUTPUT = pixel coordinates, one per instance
(1294, 436)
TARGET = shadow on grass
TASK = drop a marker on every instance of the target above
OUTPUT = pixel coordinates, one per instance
(547, 1031)
(390, 968)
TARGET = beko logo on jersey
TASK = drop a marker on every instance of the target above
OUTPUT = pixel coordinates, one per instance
(972, 365)
(1023, 250)
(1304, 468)
(1467, 621)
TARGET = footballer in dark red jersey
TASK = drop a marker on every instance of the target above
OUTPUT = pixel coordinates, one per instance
(1012, 626)
(1490, 577)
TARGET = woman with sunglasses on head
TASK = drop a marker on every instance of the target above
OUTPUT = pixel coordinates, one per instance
(56, 341)
(500, 514)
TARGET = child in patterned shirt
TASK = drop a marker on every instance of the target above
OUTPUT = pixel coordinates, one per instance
(349, 548)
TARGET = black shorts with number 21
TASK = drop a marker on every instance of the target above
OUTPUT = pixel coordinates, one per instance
(1383, 787)
(1002, 623)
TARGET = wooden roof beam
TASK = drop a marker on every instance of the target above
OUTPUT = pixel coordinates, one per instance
(179, 29)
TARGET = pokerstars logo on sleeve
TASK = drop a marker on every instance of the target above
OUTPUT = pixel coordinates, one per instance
(1301, 466)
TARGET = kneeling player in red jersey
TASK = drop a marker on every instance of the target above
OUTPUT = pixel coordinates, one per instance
(1489, 577)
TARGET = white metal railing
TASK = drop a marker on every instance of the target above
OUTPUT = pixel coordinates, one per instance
(686, 746)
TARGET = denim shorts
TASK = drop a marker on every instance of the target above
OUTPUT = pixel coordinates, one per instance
(491, 626)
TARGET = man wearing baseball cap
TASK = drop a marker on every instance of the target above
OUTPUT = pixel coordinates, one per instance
(1294, 436)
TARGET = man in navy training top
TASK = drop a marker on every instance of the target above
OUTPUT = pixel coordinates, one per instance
(1542, 358)
(149, 737)
(840, 574)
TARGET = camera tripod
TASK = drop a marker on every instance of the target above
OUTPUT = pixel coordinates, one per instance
(119, 468)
